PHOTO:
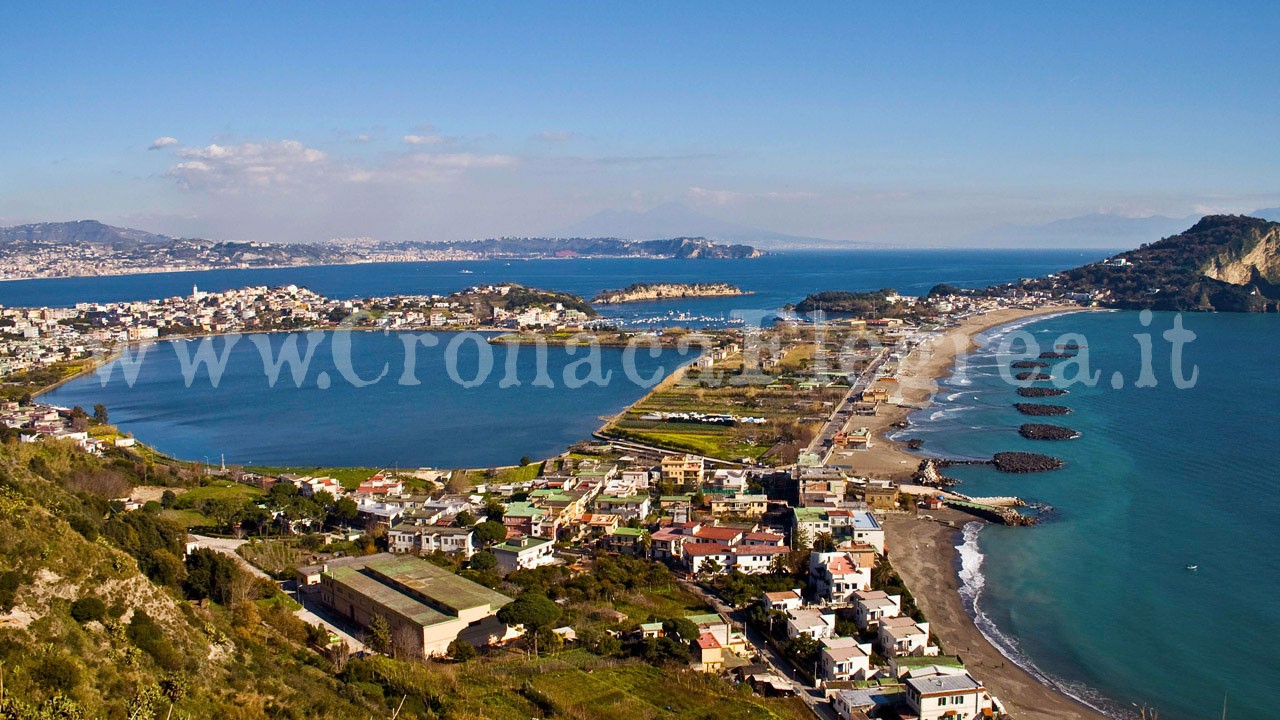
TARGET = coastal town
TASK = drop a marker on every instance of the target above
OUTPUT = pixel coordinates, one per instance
(766, 506)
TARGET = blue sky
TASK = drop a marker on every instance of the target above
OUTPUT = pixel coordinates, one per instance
(901, 123)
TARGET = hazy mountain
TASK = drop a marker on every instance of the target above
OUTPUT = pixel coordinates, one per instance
(79, 232)
(1100, 230)
(1272, 214)
(676, 220)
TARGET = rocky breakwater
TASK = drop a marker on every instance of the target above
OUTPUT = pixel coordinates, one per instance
(1032, 375)
(1025, 364)
(1021, 462)
(1040, 392)
(1041, 409)
(1041, 431)
(642, 292)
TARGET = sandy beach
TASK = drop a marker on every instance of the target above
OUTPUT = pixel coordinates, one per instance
(918, 377)
(924, 552)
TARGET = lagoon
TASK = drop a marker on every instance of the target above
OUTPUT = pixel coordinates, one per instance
(436, 408)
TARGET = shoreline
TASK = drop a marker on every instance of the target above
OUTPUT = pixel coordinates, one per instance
(919, 377)
(926, 553)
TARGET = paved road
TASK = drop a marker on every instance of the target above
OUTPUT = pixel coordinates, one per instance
(310, 612)
(228, 546)
(812, 697)
(842, 414)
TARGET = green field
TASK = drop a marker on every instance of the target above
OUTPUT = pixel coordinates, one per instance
(577, 684)
(221, 490)
(350, 477)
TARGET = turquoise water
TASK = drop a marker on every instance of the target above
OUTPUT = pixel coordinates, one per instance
(331, 419)
(1097, 597)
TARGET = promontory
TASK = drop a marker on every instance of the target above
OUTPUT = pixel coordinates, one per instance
(640, 292)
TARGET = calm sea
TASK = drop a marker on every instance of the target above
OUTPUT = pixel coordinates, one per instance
(1098, 597)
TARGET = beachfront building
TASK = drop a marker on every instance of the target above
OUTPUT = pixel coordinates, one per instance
(881, 495)
(872, 606)
(686, 470)
(857, 526)
(810, 622)
(844, 659)
(715, 549)
(835, 576)
(955, 696)
(524, 553)
(904, 636)
(861, 703)
(426, 606)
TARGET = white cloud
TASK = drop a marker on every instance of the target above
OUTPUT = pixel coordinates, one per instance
(285, 165)
(423, 139)
(163, 142)
(362, 138)
(250, 165)
(730, 197)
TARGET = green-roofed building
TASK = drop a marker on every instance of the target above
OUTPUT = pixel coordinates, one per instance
(427, 607)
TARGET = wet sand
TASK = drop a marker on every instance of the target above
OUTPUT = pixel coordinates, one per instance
(924, 554)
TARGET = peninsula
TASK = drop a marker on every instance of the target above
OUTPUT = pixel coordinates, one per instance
(88, 247)
(641, 292)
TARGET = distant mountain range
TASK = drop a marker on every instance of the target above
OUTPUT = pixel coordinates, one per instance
(88, 247)
(676, 220)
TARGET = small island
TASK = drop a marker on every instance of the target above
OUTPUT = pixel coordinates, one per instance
(641, 292)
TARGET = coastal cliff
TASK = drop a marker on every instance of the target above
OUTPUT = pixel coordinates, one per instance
(640, 292)
(1226, 263)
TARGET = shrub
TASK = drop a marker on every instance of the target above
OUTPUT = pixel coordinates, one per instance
(148, 636)
(57, 672)
(88, 608)
(9, 582)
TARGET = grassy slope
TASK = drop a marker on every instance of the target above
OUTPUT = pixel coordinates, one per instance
(248, 663)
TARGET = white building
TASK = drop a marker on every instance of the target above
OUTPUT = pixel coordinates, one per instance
(904, 636)
(422, 538)
(524, 554)
(811, 622)
(845, 659)
(872, 606)
(953, 696)
(836, 576)
(785, 600)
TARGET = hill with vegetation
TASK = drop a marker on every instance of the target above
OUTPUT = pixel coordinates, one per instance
(1228, 263)
(101, 616)
(518, 298)
(640, 292)
(876, 304)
